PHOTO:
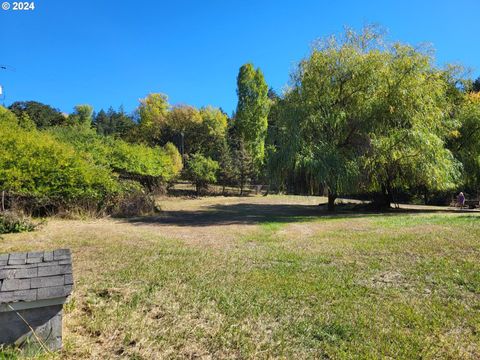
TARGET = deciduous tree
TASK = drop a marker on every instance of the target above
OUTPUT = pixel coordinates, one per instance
(252, 112)
(43, 115)
(364, 112)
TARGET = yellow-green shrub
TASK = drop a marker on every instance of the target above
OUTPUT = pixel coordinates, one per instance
(130, 160)
(35, 165)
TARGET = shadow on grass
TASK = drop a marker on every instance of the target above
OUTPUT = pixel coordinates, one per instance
(254, 213)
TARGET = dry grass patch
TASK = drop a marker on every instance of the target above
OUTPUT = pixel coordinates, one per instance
(259, 278)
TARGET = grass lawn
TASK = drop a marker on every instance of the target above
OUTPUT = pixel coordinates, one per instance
(269, 277)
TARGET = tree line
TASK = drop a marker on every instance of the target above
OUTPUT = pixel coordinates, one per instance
(361, 116)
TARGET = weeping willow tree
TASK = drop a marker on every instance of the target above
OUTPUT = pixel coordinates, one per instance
(412, 120)
(323, 118)
(466, 143)
(358, 114)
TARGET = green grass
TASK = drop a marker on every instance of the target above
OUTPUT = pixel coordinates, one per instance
(376, 287)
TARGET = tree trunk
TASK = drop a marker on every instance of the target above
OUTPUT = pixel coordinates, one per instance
(331, 201)
(386, 198)
(242, 183)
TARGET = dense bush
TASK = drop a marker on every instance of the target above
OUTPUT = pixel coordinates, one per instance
(11, 222)
(148, 165)
(133, 200)
(66, 168)
(33, 163)
(201, 171)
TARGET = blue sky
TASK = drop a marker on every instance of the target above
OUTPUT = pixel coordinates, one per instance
(108, 52)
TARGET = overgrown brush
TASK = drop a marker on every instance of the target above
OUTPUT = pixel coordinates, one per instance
(133, 202)
(11, 222)
(73, 171)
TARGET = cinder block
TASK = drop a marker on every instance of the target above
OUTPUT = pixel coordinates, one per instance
(25, 295)
(53, 292)
(25, 273)
(17, 261)
(54, 270)
(68, 279)
(7, 274)
(49, 263)
(15, 284)
(35, 254)
(41, 282)
(62, 254)
(48, 256)
(20, 266)
(17, 256)
(34, 260)
(6, 297)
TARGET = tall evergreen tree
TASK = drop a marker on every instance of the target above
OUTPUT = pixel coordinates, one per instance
(113, 122)
(476, 85)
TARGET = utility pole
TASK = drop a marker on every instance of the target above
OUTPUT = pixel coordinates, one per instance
(2, 89)
(2, 96)
(183, 147)
(2, 93)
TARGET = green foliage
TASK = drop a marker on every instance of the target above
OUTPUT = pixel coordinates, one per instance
(7, 117)
(326, 112)
(20, 118)
(228, 173)
(202, 130)
(34, 164)
(177, 161)
(14, 223)
(212, 132)
(466, 142)
(152, 113)
(183, 121)
(142, 160)
(411, 123)
(280, 164)
(42, 115)
(73, 166)
(476, 85)
(133, 200)
(25, 122)
(82, 116)
(252, 111)
(360, 111)
(190, 129)
(112, 122)
(201, 171)
(244, 164)
(395, 162)
(127, 159)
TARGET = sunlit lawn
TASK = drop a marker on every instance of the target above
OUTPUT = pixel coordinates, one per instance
(224, 280)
